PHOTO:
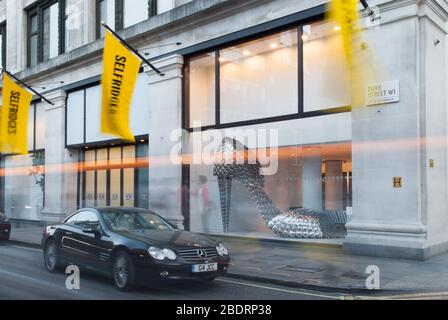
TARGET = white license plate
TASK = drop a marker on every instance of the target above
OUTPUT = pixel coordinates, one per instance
(196, 268)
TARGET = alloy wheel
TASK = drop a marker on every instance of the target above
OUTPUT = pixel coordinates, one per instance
(121, 271)
(51, 256)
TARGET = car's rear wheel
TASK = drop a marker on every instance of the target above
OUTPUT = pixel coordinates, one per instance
(51, 256)
(123, 271)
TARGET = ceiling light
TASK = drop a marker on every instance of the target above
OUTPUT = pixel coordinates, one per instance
(274, 46)
(246, 53)
(337, 28)
(304, 37)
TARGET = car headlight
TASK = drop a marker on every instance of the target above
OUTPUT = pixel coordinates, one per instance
(156, 253)
(160, 254)
(169, 254)
(222, 251)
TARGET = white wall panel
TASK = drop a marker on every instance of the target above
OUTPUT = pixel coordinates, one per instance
(40, 126)
(93, 116)
(75, 118)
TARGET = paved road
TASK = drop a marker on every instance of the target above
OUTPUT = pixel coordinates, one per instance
(23, 276)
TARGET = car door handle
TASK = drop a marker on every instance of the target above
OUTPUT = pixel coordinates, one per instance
(69, 233)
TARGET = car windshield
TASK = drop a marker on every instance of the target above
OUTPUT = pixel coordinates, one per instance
(134, 221)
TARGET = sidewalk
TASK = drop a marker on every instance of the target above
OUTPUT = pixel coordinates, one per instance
(325, 268)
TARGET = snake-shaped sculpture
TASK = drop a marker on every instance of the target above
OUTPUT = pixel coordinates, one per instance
(294, 223)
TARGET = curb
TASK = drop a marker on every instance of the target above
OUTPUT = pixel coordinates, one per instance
(298, 285)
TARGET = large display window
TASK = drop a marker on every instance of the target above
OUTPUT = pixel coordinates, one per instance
(296, 73)
(316, 178)
(293, 82)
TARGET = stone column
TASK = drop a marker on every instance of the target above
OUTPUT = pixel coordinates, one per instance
(334, 185)
(393, 141)
(165, 177)
(312, 182)
(60, 175)
(16, 36)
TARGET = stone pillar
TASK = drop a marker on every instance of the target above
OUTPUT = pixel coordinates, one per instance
(165, 177)
(16, 37)
(393, 140)
(59, 173)
(312, 182)
(334, 185)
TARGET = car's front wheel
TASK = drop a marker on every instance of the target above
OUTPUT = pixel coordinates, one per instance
(51, 256)
(123, 271)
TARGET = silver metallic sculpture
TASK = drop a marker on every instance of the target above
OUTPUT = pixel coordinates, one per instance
(294, 223)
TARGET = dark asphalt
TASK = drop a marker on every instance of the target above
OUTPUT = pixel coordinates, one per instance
(23, 276)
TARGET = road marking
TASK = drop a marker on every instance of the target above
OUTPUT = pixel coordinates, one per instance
(26, 248)
(408, 296)
(282, 290)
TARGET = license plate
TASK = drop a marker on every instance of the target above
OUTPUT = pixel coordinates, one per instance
(196, 268)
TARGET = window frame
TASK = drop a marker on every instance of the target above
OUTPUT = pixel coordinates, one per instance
(3, 47)
(300, 114)
(38, 9)
(119, 14)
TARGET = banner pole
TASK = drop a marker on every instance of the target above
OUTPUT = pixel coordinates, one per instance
(132, 49)
(366, 7)
(26, 86)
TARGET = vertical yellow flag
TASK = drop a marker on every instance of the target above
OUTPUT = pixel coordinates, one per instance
(14, 118)
(120, 71)
(345, 14)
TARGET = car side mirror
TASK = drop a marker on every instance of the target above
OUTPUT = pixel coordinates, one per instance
(95, 232)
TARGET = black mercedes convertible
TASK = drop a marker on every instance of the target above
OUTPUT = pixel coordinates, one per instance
(133, 246)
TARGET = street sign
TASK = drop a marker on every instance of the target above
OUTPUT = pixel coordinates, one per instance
(383, 92)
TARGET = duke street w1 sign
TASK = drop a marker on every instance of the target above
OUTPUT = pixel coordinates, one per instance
(384, 92)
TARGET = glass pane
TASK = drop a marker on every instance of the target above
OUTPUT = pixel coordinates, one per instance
(259, 79)
(33, 27)
(134, 11)
(30, 130)
(72, 220)
(23, 196)
(93, 115)
(314, 177)
(87, 220)
(202, 90)
(40, 126)
(74, 28)
(75, 112)
(90, 179)
(128, 176)
(326, 73)
(115, 177)
(107, 14)
(51, 32)
(165, 5)
(101, 178)
(33, 50)
(143, 178)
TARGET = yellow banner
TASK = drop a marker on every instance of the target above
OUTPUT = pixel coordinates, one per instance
(345, 14)
(120, 71)
(14, 118)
